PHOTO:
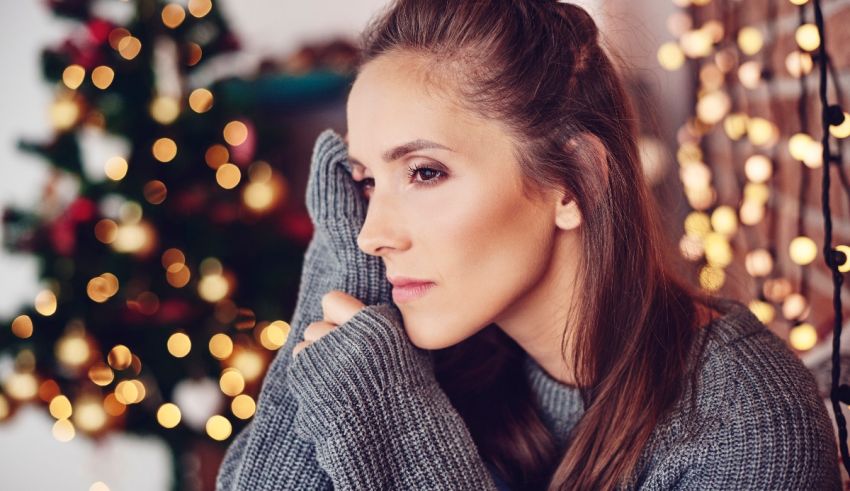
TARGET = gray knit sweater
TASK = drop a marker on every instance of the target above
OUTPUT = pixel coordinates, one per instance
(361, 409)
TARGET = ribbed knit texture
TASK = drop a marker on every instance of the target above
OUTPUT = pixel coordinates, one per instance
(360, 407)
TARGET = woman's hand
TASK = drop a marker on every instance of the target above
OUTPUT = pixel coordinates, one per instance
(337, 308)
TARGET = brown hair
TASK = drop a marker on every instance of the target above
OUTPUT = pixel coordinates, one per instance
(538, 67)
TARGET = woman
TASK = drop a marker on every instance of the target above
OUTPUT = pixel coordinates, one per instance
(552, 345)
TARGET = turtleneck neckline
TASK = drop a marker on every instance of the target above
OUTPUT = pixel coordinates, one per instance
(561, 405)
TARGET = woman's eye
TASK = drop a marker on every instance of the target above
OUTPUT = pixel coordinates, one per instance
(427, 176)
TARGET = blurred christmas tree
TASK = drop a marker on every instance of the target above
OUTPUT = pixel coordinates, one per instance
(169, 239)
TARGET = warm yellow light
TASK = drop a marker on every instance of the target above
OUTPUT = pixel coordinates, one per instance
(21, 385)
(45, 303)
(60, 407)
(274, 335)
(228, 176)
(695, 175)
(129, 47)
(752, 212)
(216, 156)
(798, 144)
(218, 427)
(221, 346)
(701, 198)
(799, 63)
(803, 337)
(724, 220)
(73, 350)
(164, 149)
(89, 414)
(750, 40)
(670, 56)
(115, 168)
(120, 357)
(173, 15)
(63, 430)
(711, 76)
(690, 246)
(802, 250)
(688, 152)
(711, 278)
(98, 289)
(172, 256)
(842, 130)
(795, 306)
(199, 8)
(102, 77)
(130, 391)
(798, 2)
(758, 168)
(4, 407)
(164, 110)
(249, 363)
(259, 196)
(845, 266)
(759, 262)
(757, 192)
(22, 326)
(735, 125)
(763, 311)
(178, 275)
(73, 76)
(133, 238)
(64, 113)
(718, 252)
(213, 287)
(697, 43)
(807, 37)
(713, 106)
(168, 415)
(201, 101)
(761, 132)
(243, 406)
(101, 374)
(235, 133)
(749, 73)
(116, 35)
(231, 382)
(179, 344)
(113, 406)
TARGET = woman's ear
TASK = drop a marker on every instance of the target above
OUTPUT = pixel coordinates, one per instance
(588, 151)
(567, 214)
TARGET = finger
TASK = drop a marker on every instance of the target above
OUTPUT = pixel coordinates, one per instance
(298, 347)
(338, 307)
(317, 329)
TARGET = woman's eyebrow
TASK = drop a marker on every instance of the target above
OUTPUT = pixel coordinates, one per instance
(400, 151)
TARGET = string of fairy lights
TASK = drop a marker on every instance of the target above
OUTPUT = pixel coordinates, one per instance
(711, 227)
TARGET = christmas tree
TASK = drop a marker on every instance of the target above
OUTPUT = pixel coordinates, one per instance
(170, 235)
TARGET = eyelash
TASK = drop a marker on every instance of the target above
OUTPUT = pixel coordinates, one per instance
(411, 172)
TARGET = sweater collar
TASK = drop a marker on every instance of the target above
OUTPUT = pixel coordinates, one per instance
(561, 406)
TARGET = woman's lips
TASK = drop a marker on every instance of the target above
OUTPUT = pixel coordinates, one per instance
(411, 291)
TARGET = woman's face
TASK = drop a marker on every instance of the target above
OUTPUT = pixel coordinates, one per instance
(465, 225)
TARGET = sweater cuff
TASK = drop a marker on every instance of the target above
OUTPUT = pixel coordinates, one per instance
(353, 365)
(333, 197)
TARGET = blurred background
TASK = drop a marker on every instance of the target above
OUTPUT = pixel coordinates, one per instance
(153, 159)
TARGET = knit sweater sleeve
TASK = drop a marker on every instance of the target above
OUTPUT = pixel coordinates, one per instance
(368, 400)
(772, 430)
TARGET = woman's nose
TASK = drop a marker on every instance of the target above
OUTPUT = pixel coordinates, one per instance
(382, 229)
